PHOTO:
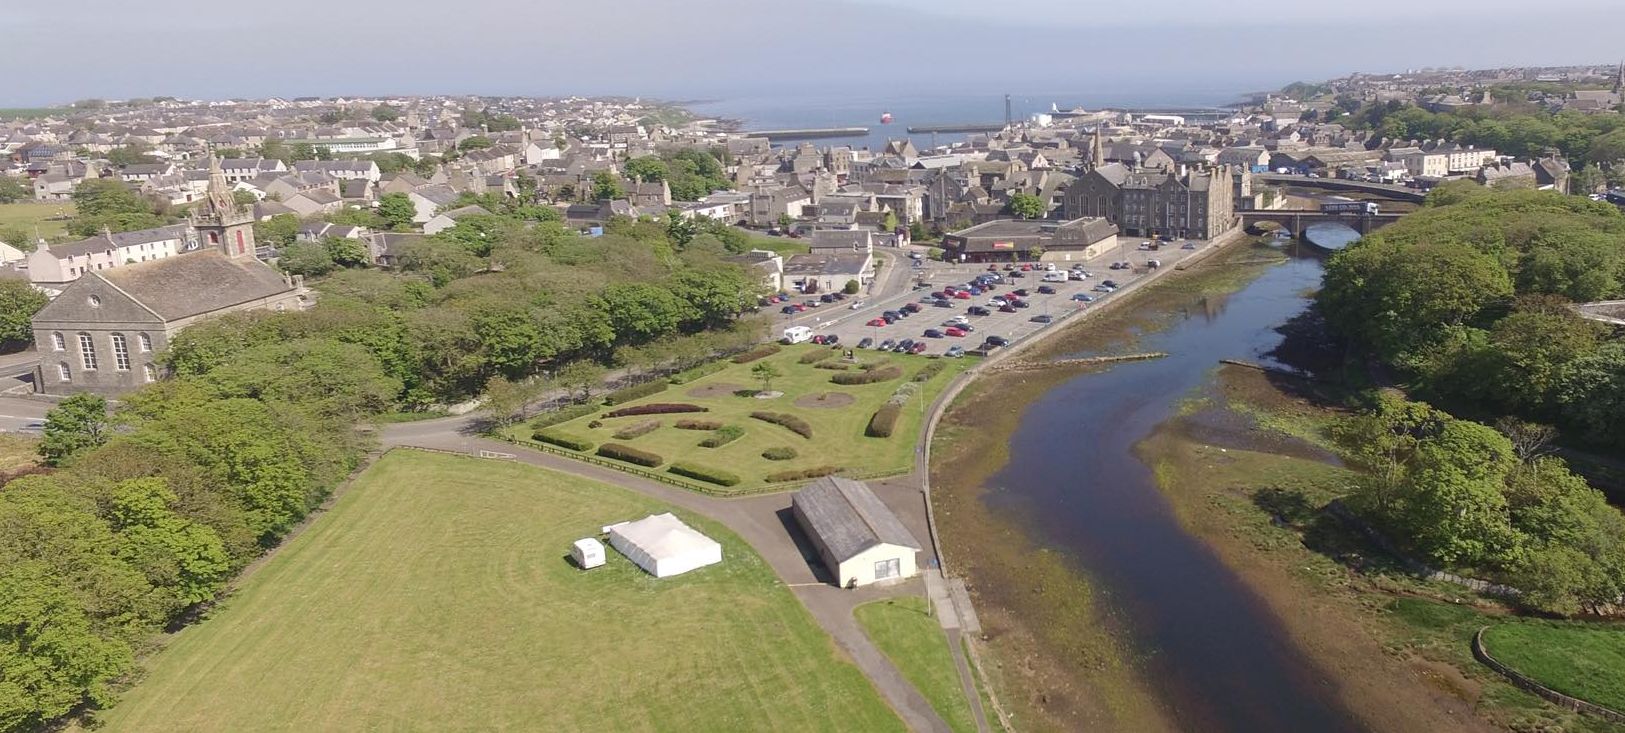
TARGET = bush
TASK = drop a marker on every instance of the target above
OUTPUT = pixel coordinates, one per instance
(760, 352)
(697, 424)
(561, 415)
(930, 370)
(794, 424)
(723, 436)
(802, 474)
(872, 365)
(852, 287)
(839, 366)
(632, 431)
(813, 357)
(703, 370)
(704, 473)
(595, 424)
(562, 440)
(884, 421)
(630, 455)
(656, 408)
(872, 376)
(627, 394)
(784, 453)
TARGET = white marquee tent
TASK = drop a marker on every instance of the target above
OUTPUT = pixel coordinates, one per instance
(662, 545)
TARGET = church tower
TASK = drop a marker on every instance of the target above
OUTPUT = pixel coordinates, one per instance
(1097, 153)
(220, 221)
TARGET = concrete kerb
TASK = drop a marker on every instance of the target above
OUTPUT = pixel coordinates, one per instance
(939, 406)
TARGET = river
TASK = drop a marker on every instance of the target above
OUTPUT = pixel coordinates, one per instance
(1214, 652)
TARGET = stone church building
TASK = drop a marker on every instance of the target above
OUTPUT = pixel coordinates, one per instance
(105, 330)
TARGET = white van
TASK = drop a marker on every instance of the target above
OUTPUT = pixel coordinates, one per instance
(1055, 277)
(1049, 267)
(797, 335)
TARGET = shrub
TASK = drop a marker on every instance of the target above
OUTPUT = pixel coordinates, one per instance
(627, 394)
(872, 365)
(697, 424)
(595, 424)
(704, 473)
(632, 431)
(884, 421)
(930, 370)
(760, 352)
(813, 357)
(561, 415)
(871, 376)
(630, 455)
(723, 436)
(703, 370)
(805, 473)
(839, 366)
(784, 453)
(791, 422)
(656, 408)
(562, 440)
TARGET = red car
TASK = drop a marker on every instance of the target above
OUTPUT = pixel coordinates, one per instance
(801, 307)
(1007, 308)
(1026, 268)
(994, 268)
(918, 347)
(955, 331)
(877, 322)
(961, 295)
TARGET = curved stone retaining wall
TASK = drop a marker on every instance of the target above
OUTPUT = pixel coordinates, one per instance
(1556, 698)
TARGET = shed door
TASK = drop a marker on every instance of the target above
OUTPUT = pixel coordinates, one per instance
(888, 569)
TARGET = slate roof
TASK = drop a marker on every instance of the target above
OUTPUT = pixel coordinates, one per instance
(204, 282)
(102, 243)
(848, 518)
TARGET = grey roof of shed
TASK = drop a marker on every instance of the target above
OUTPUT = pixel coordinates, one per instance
(848, 518)
(198, 283)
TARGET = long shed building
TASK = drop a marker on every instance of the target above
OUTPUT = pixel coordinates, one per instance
(860, 540)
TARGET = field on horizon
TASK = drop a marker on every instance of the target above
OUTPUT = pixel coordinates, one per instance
(436, 595)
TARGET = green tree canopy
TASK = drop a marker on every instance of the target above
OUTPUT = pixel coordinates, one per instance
(19, 301)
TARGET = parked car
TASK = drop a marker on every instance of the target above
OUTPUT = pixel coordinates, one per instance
(1025, 267)
(1188, 245)
(1007, 268)
(918, 347)
(1077, 275)
(944, 303)
(856, 304)
(995, 268)
(932, 333)
(1020, 304)
(1017, 273)
(865, 342)
(887, 345)
(954, 352)
(1145, 247)
(832, 339)
(955, 332)
(1007, 308)
(998, 302)
(827, 298)
(818, 339)
(977, 310)
(903, 345)
(956, 321)
(1019, 292)
(813, 303)
(1153, 264)
(939, 295)
(787, 310)
(911, 308)
(997, 341)
(800, 307)
(877, 322)
(1110, 284)
(1104, 288)
(1046, 290)
(962, 295)
(1083, 297)
(1042, 318)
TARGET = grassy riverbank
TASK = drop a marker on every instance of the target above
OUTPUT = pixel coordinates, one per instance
(1247, 468)
(912, 639)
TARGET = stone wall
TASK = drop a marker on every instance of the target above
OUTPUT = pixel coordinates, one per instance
(1557, 698)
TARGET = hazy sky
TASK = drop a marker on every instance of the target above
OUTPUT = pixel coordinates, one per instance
(70, 49)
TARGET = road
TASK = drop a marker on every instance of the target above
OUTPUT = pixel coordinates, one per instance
(20, 415)
(17, 372)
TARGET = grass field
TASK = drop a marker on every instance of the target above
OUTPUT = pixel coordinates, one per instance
(436, 595)
(914, 642)
(1587, 662)
(49, 216)
(17, 452)
(838, 431)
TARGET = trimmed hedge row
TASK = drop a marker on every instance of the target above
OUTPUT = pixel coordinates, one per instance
(813, 357)
(838, 366)
(627, 394)
(562, 415)
(804, 473)
(723, 436)
(760, 352)
(656, 408)
(930, 370)
(630, 455)
(703, 473)
(791, 422)
(703, 370)
(872, 376)
(632, 431)
(783, 453)
(687, 424)
(884, 421)
(562, 440)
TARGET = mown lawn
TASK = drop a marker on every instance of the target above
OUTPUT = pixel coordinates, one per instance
(436, 595)
(1584, 661)
(914, 641)
(50, 216)
(838, 422)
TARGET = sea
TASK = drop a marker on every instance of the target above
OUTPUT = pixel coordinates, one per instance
(785, 111)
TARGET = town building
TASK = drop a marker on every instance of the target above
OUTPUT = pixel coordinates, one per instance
(859, 540)
(1182, 202)
(1009, 240)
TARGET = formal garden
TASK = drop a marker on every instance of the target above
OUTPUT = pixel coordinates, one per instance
(769, 417)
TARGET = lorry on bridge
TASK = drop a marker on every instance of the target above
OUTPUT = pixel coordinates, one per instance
(1369, 208)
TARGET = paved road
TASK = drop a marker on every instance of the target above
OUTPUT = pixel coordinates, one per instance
(762, 521)
(17, 372)
(20, 415)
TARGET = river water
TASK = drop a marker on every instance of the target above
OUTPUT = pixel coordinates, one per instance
(1215, 652)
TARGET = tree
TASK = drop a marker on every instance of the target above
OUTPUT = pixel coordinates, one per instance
(396, 210)
(642, 311)
(606, 187)
(184, 559)
(765, 373)
(851, 288)
(13, 190)
(505, 400)
(1026, 206)
(475, 142)
(307, 259)
(77, 424)
(277, 231)
(580, 376)
(52, 659)
(646, 169)
(131, 154)
(347, 252)
(386, 113)
(19, 301)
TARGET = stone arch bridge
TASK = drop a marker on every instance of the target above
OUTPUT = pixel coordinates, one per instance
(1296, 220)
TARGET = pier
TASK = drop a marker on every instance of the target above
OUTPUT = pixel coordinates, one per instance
(809, 133)
(966, 127)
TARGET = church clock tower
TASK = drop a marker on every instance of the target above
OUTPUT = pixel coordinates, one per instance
(220, 221)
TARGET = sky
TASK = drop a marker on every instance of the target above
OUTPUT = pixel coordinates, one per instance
(684, 49)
